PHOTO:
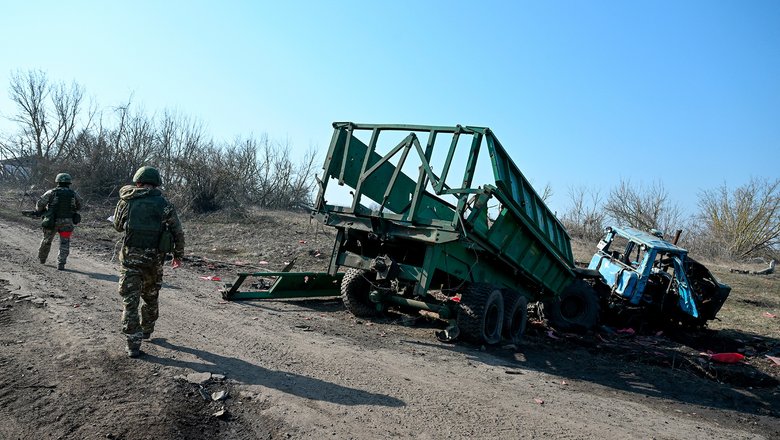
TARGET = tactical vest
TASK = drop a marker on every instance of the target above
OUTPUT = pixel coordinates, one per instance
(145, 222)
(63, 202)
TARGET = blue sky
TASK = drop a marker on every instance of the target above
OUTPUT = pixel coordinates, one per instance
(580, 93)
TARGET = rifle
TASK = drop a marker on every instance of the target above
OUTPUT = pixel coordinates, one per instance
(33, 213)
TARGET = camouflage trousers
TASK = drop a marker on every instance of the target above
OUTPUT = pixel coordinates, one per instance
(48, 236)
(140, 279)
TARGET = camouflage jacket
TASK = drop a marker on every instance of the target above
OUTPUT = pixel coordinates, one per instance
(49, 197)
(127, 194)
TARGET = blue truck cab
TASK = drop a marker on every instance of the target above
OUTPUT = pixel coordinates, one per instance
(642, 270)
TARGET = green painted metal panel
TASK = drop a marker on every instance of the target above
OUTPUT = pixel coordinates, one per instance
(286, 285)
(347, 161)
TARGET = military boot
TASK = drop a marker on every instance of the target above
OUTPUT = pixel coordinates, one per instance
(134, 345)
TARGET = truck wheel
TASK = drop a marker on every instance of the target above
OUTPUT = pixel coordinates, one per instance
(355, 288)
(481, 313)
(515, 316)
(575, 309)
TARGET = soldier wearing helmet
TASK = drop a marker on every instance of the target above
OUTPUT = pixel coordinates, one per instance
(59, 207)
(152, 230)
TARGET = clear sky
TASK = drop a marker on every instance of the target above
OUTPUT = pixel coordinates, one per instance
(686, 93)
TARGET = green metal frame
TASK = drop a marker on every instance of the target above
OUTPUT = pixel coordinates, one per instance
(526, 243)
(286, 285)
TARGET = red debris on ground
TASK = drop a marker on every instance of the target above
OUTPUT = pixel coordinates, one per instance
(727, 358)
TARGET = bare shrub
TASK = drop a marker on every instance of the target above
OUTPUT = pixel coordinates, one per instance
(102, 151)
(743, 222)
(281, 182)
(643, 207)
(585, 217)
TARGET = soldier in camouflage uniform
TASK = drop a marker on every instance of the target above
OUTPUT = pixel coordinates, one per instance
(58, 205)
(152, 229)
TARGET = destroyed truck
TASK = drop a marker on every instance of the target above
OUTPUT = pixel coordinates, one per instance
(650, 280)
(414, 232)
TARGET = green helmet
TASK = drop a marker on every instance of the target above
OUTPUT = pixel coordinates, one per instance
(147, 175)
(63, 178)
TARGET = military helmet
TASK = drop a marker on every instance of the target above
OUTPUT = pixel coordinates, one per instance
(147, 174)
(63, 178)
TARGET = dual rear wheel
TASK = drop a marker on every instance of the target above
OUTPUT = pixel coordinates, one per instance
(486, 312)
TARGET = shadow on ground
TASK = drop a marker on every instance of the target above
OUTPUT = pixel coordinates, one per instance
(251, 374)
(667, 370)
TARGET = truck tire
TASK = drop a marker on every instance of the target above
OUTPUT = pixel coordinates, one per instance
(515, 316)
(355, 288)
(481, 314)
(576, 308)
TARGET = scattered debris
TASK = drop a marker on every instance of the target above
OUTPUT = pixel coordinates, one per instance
(770, 315)
(725, 358)
(221, 413)
(768, 271)
(774, 359)
(211, 278)
(219, 395)
(198, 378)
(539, 401)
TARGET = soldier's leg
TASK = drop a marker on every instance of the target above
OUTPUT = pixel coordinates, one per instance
(43, 249)
(130, 285)
(62, 256)
(150, 294)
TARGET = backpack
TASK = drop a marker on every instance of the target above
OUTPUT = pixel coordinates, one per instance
(60, 207)
(145, 222)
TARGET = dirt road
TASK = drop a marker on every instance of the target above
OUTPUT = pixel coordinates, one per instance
(308, 369)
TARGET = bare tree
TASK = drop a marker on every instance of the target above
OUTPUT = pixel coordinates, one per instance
(643, 207)
(47, 115)
(178, 137)
(585, 217)
(200, 174)
(547, 192)
(745, 221)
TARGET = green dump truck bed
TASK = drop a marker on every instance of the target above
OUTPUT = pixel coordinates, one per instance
(499, 231)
